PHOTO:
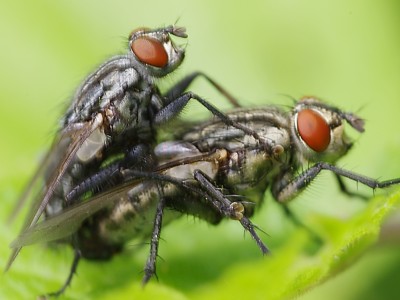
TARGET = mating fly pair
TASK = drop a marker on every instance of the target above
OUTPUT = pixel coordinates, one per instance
(106, 181)
(114, 113)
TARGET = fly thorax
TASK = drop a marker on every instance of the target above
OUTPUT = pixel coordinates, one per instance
(116, 84)
(133, 110)
(103, 87)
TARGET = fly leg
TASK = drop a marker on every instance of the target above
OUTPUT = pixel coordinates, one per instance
(233, 210)
(346, 191)
(138, 157)
(288, 186)
(77, 256)
(284, 190)
(177, 105)
(150, 268)
(179, 88)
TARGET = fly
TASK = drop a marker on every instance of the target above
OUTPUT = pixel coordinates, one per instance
(115, 112)
(212, 171)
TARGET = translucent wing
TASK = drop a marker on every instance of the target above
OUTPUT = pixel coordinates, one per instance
(76, 137)
(69, 220)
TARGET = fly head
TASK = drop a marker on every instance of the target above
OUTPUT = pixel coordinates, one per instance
(318, 130)
(154, 52)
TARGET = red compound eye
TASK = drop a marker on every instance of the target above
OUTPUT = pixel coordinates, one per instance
(150, 51)
(313, 130)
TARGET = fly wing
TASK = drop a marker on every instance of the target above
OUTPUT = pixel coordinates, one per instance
(69, 220)
(76, 136)
(44, 167)
(47, 167)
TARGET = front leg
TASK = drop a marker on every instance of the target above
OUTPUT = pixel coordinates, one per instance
(179, 88)
(288, 186)
(176, 106)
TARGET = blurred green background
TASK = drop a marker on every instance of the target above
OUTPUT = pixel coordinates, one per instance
(345, 52)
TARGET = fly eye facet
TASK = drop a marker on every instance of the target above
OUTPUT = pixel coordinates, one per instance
(150, 51)
(313, 130)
